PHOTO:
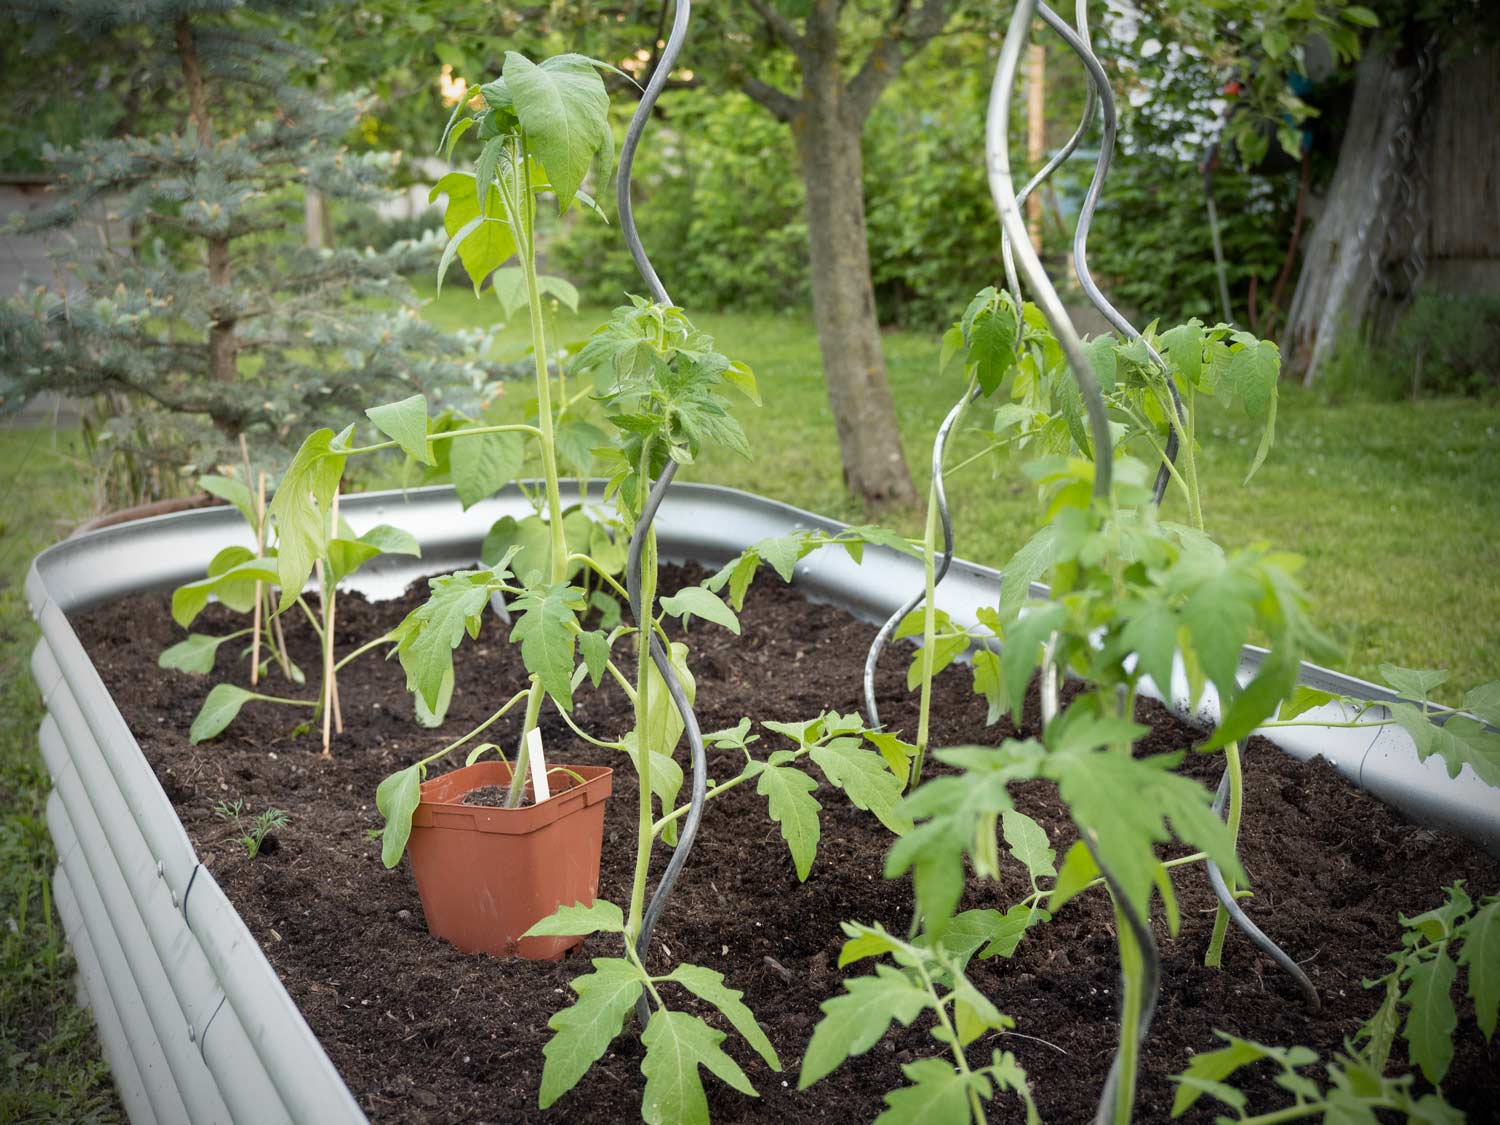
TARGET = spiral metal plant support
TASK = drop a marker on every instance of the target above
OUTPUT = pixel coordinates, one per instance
(659, 655)
(997, 148)
(940, 443)
(1080, 44)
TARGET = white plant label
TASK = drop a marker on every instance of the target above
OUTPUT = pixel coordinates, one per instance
(538, 766)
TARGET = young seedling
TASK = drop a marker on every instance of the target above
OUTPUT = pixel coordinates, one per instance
(927, 979)
(259, 827)
(1459, 934)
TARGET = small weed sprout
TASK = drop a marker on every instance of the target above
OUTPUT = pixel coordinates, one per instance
(260, 827)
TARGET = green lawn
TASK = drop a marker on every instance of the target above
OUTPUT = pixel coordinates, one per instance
(1395, 506)
(50, 1068)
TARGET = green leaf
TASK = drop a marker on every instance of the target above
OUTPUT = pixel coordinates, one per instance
(945, 650)
(992, 347)
(1459, 742)
(897, 754)
(663, 721)
(1480, 956)
(677, 1044)
(584, 1031)
(1183, 345)
(230, 491)
(938, 1095)
(576, 442)
(1251, 374)
(988, 683)
(1028, 842)
(1358, 14)
(864, 778)
(484, 242)
(594, 646)
(602, 917)
(1022, 651)
(544, 628)
(1267, 439)
(782, 553)
(858, 1018)
(1484, 701)
(234, 587)
(1430, 1019)
(218, 711)
(397, 798)
(1078, 871)
(695, 601)
(1257, 701)
(1207, 1070)
(305, 493)
(430, 633)
(788, 792)
(405, 423)
(432, 716)
(1218, 617)
(739, 376)
(1124, 802)
(564, 111)
(345, 556)
(1151, 634)
(708, 985)
(1025, 567)
(1414, 683)
(508, 284)
(991, 933)
(195, 654)
(484, 464)
(1303, 700)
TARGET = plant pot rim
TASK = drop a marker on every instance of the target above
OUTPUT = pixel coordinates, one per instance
(442, 806)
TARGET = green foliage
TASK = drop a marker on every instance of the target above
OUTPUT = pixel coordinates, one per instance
(1435, 944)
(677, 1044)
(205, 315)
(1442, 344)
(925, 978)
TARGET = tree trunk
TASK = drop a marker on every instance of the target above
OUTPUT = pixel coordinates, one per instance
(1341, 271)
(828, 144)
(222, 346)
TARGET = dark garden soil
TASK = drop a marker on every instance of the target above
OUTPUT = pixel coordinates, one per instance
(422, 1032)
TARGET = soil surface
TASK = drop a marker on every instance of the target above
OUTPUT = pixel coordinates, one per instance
(424, 1033)
(490, 796)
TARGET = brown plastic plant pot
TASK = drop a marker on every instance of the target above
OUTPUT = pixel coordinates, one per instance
(487, 875)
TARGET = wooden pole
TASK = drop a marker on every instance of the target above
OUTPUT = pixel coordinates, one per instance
(1036, 133)
(260, 551)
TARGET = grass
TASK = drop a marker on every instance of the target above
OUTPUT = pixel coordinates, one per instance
(1394, 506)
(50, 1068)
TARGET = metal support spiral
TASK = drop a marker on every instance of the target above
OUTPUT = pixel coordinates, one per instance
(940, 443)
(997, 146)
(659, 655)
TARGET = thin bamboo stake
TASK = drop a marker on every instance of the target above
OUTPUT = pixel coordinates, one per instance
(328, 609)
(338, 712)
(260, 551)
(1036, 133)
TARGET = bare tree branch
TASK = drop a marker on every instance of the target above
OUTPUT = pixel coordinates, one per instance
(782, 105)
(780, 26)
(903, 39)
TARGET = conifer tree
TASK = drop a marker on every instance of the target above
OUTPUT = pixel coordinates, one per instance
(210, 317)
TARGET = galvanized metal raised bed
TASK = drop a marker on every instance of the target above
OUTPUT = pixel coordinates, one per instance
(193, 1019)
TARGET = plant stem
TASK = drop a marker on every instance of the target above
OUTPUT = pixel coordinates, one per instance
(1290, 1113)
(447, 435)
(362, 649)
(477, 731)
(644, 613)
(1215, 956)
(518, 772)
(521, 221)
(1130, 1018)
(976, 1108)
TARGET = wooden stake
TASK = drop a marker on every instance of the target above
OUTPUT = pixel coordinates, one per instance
(329, 687)
(260, 551)
(1036, 133)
